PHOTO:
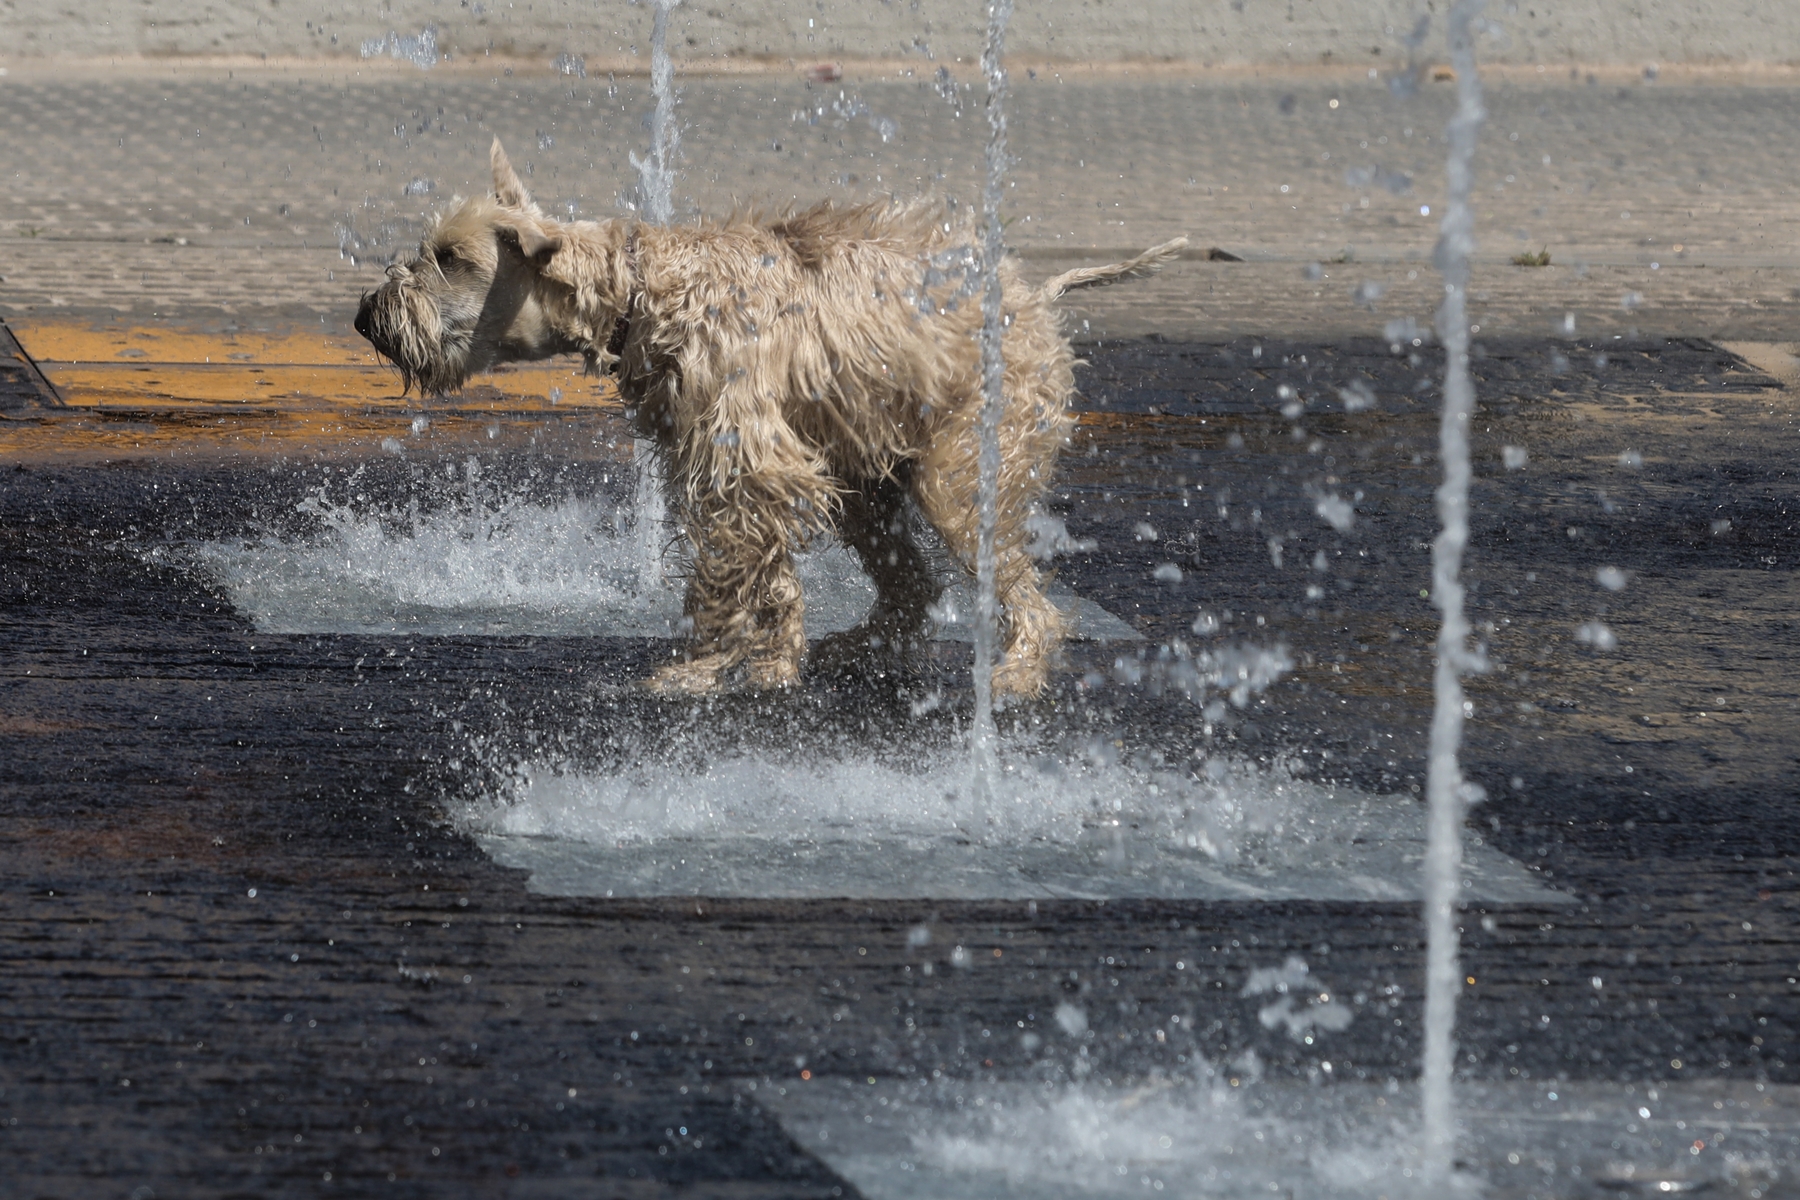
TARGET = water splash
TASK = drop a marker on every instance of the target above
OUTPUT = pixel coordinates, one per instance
(660, 818)
(1447, 791)
(656, 172)
(1232, 1132)
(373, 233)
(481, 562)
(1232, 812)
(466, 556)
(420, 49)
(993, 399)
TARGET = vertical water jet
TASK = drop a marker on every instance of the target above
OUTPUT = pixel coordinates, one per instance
(650, 512)
(656, 197)
(1445, 786)
(656, 173)
(982, 735)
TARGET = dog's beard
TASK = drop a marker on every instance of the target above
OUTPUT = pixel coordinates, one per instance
(445, 373)
(407, 328)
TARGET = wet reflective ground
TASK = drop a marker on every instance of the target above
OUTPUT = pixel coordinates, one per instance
(249, 948)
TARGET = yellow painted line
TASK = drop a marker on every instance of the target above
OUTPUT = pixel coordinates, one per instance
(51, 341)
(112, 435)
(295, 387)
(162, 385)
(138, 368)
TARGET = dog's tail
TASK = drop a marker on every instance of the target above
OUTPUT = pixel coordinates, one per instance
(1142, 267)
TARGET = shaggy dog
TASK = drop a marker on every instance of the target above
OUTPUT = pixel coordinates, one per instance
(798, 376)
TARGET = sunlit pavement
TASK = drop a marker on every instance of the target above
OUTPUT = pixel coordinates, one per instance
(251, 946)
(1665, 205)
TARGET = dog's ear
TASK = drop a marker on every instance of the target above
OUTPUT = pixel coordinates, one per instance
(508, 189)
(532, 239)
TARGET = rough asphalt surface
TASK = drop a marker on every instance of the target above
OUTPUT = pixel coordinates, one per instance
(389, 1006)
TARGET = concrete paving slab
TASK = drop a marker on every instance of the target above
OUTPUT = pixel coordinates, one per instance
(191, 188)
(603, 37)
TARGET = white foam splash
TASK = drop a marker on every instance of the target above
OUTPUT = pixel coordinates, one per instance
(504, 565)
(1229, 1134)
(570, 567)
(1211, 1135)
(752, 795)
(758, 824)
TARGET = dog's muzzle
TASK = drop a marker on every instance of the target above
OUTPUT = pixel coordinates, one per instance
(362, 317)
(367, 325)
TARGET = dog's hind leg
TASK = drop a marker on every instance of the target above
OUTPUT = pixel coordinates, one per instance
(1031, 628)
(947, 485)
(874, 523)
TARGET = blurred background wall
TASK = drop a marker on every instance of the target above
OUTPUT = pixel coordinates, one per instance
(610, 34)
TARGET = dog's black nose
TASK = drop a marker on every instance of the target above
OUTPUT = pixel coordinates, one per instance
(362, 317)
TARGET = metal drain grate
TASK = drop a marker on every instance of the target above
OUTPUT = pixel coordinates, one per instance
(22, 385)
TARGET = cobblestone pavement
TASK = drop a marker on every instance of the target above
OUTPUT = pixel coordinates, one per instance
(1667, 207)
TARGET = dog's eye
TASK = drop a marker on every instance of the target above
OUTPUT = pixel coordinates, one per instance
(446, 257)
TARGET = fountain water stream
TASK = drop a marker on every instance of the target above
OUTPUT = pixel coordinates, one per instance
(656, 198)
(993, 402)
(1446, 789)
(656, 171)
(650, 514)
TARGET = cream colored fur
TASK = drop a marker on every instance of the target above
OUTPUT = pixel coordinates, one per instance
(798, 375)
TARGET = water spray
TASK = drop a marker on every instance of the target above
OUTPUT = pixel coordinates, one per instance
(1445, 787)
(983, 737)
(656, 192)
(656, 173)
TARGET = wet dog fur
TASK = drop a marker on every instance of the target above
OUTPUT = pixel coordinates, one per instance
(800, 375)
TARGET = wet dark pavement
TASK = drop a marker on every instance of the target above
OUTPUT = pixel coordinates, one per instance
(244, 954)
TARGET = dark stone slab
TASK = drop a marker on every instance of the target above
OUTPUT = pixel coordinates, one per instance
(1248, 375)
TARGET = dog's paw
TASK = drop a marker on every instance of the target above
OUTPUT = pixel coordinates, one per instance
(771, 673)
(703, 676)
(1021, 678)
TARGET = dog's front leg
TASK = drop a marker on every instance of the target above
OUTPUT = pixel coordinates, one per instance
(751, 490)
(744, 603)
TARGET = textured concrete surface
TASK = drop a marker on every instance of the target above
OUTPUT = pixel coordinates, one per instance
(1665, 207)
(617, 31)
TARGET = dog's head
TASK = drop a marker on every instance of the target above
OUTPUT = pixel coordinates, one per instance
(476, 294)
